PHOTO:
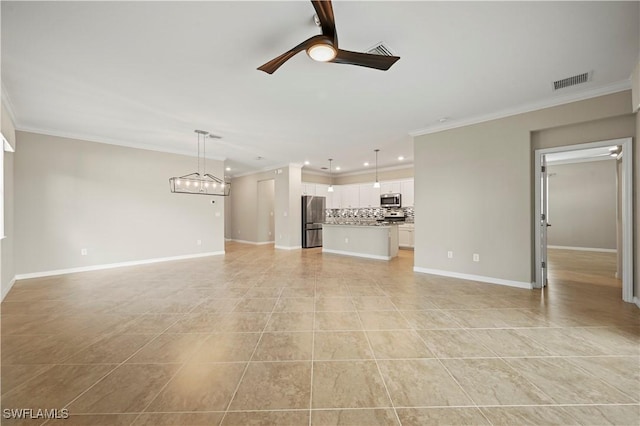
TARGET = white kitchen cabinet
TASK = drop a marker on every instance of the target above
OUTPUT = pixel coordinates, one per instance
(369, 196)
(406, 189)
(334, 200)
(350, 197)
(322, 190)
(406, 236)
(390, 187)
(308, 189)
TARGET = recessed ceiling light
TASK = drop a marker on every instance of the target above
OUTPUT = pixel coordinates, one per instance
(306, 163)
(400, 158)
(338, 168)
(443, 119)
(366, 164)
(228, 169)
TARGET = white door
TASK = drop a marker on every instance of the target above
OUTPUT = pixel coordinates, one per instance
(544, 220)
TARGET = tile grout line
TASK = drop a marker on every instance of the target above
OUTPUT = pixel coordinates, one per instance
(451, 375)
(600, 379)
(373, 354)
(182, 316)
(313, 348)
(255, 349)
(117, 366)
(181, 366)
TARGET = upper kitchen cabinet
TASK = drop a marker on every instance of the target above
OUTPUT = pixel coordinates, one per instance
(350, 197)
(369, 196)
(334, 198)
(390, 188)
(308, 189)
(322, 190)
(406, 189)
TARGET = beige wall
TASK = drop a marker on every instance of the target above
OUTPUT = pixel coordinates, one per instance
(474, 187)
(314, 178)
(8, 272)
(636, 250)
(242, 220)
(582, 205)
(287, 208)
(112, 200)
(397, 174)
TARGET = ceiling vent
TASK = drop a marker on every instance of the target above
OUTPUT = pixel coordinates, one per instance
(381, 49)
(572, 81)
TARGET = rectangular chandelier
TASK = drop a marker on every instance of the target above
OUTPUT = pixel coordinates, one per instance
(200, 182)
(195, 183)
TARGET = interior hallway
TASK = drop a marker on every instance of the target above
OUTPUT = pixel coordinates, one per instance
(297, 337)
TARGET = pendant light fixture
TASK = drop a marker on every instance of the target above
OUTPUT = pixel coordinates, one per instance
(376, 184)
(200, 182)
(330, 176)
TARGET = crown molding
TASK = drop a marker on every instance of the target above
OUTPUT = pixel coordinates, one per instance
(107, 141)
(522, 109)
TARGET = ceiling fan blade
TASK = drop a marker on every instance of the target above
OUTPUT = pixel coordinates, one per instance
(324, 10)
(271, 66)
(368, 60)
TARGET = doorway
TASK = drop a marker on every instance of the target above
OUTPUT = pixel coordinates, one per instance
(622, 150)
(266, 220)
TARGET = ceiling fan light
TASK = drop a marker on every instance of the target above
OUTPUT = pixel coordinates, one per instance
(322, 52)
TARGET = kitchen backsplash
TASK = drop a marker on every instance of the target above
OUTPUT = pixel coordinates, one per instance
(366, 213)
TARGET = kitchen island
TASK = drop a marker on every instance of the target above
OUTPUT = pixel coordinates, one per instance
(370, 240)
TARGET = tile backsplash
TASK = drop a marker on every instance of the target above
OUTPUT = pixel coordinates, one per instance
(366, 213)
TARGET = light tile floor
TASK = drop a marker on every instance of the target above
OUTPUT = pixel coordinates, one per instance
(260, 336)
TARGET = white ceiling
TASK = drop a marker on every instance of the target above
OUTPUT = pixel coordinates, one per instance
(147, 74)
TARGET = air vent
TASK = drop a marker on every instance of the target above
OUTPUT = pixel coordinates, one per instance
(381, 49)
(572, 81)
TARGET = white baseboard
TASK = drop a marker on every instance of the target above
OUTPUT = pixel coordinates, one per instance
(114, 265)
(636, 301)
(6, 289)
(350, 253)
(288, 247)
(603, 250)
(500, 281)
(255, 243)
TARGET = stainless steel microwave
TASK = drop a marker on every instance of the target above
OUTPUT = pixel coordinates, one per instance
(390, 200)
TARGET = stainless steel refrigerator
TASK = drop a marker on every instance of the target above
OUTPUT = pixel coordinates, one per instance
(313, 216)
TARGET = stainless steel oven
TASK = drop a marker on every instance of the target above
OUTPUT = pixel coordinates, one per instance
(391, 200)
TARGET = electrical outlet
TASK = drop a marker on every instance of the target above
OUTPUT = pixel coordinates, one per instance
(83, 252)
(217, 214)
(476, 257)
(346, 240)
(450, 254)
(199, 242)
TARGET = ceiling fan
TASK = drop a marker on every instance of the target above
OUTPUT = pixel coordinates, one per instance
(324, 47)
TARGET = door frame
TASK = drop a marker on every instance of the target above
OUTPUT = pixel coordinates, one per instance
(627, 209)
